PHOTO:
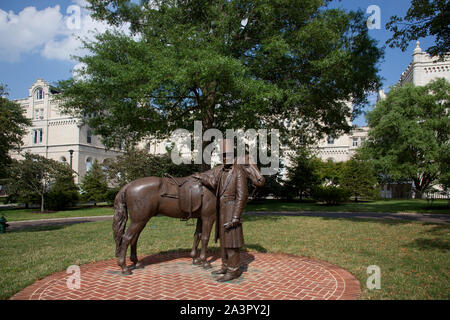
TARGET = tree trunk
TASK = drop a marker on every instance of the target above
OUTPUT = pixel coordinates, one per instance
(42, 202)
(418, 194)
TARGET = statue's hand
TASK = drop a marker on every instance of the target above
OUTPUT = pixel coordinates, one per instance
(235, 222)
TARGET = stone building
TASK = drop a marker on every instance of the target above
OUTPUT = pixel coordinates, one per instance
(53, 134)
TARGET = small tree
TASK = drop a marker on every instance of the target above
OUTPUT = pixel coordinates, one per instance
(30, 179)
(94, 185)
(303, 175)
(359, 178)
(63, 191)
(330, 172)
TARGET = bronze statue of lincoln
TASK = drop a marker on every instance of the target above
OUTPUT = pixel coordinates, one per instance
(229, 181)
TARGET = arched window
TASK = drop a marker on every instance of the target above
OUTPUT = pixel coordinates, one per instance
(63, 159)
(39, 94)
(88, 164)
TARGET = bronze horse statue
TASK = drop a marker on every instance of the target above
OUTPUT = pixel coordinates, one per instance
(143, 198)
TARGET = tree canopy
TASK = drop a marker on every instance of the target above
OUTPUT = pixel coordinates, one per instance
(31, 178)
(409, 133)
(231, 64)
(13, 125)
(424, 18)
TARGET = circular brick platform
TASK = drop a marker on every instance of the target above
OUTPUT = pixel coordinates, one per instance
(172, 276)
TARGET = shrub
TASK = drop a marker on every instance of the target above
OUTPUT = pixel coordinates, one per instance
(331, 195)
(110, 195)
(61, 199)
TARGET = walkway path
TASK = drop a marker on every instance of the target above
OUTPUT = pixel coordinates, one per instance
(422, 217)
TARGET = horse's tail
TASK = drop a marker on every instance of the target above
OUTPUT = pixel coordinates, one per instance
(120, 217)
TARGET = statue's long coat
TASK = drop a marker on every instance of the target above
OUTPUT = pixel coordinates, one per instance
(231, 191)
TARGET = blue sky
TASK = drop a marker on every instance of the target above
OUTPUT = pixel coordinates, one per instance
(38, 37)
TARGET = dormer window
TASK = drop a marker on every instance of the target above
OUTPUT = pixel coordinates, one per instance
(39, 94)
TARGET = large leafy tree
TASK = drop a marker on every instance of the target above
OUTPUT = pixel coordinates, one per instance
(409, 134)
(13, 124)
(424, 18)
(230, 64)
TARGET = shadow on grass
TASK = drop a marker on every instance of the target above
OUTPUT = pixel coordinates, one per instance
(430, 244)
(50, 227)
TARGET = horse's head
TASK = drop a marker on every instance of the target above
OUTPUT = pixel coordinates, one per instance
(252, 171)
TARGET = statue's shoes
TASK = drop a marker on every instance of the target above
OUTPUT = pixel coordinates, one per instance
(229, 276)
(220, 271)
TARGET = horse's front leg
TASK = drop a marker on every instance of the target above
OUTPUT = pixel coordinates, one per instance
(197, 235)
(206, 232)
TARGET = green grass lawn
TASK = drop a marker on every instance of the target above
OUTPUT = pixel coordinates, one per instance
(410, 205)
(34, 214)
(413, 205)
(413, 257)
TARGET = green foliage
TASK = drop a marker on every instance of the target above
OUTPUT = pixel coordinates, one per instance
(63, 192)
(360, 179)
(31, 178)
(273, 187)
(330, 172)
(13, 125)
(303, 175)
(330, 194)
(409, 134)
(198, 60)
(424, 18)
(111, 195)
(135, 164)
(94, 185)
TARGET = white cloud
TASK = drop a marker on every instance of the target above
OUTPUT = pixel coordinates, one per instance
(27, 31)
(51, 32)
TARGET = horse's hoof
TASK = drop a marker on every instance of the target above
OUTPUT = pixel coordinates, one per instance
(126, 272)
(196, 262)
(139, 265)
(206, 265)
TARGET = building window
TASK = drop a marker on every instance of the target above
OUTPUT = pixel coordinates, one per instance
(355, 142)
(39, 94)
(63, 159)
(38, 114)
(88, 164)
(363, 140)
(89, 136)
(37, 136)
(330, 140)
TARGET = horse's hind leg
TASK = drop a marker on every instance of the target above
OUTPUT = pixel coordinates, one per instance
(133, 255)
(133, 229)
(197, 235)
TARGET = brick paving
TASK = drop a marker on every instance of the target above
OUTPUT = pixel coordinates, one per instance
(171, 276)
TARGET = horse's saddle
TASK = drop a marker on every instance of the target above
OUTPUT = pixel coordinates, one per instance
(187, 190)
